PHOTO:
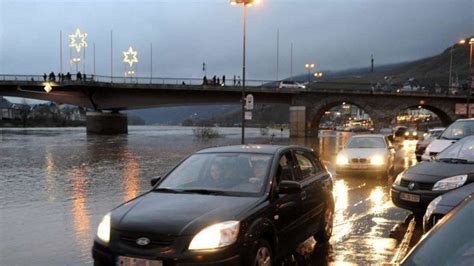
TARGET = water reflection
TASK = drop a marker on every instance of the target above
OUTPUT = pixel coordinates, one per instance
(51, 184)
(131, 176)
(80, 213)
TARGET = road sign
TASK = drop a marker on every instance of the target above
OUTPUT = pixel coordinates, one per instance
(248, 115)
(249, 102)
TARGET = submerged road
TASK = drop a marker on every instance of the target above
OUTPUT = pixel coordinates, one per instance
(56, 184)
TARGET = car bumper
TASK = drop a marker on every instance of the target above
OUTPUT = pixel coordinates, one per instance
(368, 170)
(102, 255)
(417, 207)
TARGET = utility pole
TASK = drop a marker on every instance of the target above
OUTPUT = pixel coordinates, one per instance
(372, 63)
(278, 55)
(291, 62)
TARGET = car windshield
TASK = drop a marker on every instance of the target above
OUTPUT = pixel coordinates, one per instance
(461, 151)
(366, 143)
(452, 243)
(219, 173)
(436, 133)
(459, 130)
(386, 130)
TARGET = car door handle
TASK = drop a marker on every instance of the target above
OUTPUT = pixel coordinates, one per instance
(303, 195)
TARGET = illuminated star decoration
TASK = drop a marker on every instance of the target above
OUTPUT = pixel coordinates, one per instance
(78, 40)
(130, 56)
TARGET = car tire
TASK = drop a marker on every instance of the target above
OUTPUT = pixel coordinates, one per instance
(325, 229)
(261, 255)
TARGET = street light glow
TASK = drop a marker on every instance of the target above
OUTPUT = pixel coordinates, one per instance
(78, 40)
(462, 41)
(47, 87)
(130, 56)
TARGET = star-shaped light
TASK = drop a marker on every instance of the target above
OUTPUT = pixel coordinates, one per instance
(78, 40)
(130, 56)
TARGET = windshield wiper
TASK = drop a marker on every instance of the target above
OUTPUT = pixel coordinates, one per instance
(446, 138)
(454, 160)
(203, 191)
(167, 190)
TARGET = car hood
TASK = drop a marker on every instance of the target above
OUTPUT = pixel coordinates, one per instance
(362, 153)
(454, 197)
(178, 214)
(433, 171)
(438, 145)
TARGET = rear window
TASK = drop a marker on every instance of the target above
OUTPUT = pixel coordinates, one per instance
(458, 130)
(366, 143)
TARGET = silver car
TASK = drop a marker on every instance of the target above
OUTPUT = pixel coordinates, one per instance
(366, 154)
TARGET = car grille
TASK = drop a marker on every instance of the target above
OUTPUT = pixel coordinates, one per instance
(130, 239)
(359, 160)
(418, 185)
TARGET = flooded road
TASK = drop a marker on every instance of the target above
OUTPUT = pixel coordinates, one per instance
(56, 184)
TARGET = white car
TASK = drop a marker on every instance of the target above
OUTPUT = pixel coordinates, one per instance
(291, 85)
(368, 154)
(456, 131)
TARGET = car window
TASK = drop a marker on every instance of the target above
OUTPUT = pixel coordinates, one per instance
(285, 167)
(452, 243)
(458, 130)
(366, 143)
(225, 172)
(463, 149)
(306, 166)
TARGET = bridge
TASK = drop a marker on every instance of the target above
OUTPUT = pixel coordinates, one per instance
(306, 106)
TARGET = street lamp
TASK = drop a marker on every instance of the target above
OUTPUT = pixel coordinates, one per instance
(309, 67)
(468, 99)
(318, 74)
(245, 3)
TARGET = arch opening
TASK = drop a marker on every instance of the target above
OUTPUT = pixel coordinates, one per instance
(422, 117)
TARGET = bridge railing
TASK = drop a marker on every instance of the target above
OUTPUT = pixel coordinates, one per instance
(140, 80)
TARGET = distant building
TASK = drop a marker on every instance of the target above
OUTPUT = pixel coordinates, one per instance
(6, 109)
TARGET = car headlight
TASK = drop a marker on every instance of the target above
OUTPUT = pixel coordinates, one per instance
(103, 231)
(342, 160)
(216, 236)
(450, 183)
(431, 207)
(398, 180)
(415, 133)
(377, 160)
(407, 133)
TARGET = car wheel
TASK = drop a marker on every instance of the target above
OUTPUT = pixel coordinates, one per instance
(325, 230)
(261, 254)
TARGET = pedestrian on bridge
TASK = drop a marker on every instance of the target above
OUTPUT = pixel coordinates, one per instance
(235, 80)
(204, 80)
(45, 76)
(214, 80)
(223, 80)
(238, 81)
(218, 81)
(68, 76)
(78, 75)
(52, 77)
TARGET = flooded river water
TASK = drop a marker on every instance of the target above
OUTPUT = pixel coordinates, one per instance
(56, 184)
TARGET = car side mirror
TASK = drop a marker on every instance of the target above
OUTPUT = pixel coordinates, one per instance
(289, 187)
(155, 180)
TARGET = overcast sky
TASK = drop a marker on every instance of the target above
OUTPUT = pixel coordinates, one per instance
(334, 34)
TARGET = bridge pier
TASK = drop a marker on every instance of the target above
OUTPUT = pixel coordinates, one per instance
(106, 123)
(297, 121)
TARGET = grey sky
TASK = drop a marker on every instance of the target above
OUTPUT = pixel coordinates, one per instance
(334, 34)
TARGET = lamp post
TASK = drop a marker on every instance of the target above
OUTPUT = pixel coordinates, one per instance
(309, 67)
(468, 99)
(245, 3)
(318, 74)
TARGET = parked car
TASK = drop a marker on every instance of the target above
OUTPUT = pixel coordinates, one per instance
(430, 136)
(287, 84)
(456, 131)
(411, 133)
(234, 205)
(416, 187)
(443, 204)
(368, 154)
(450, 242)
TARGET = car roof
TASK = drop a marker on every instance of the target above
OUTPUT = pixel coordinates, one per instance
(251, 148)
(465, 119)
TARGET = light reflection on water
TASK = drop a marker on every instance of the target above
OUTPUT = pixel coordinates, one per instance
(56, 184)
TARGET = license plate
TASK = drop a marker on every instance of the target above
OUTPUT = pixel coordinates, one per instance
(129, 261)
(359, 166)
(410, 197)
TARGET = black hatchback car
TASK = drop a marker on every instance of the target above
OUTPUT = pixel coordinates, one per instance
(416, 187)
(235, 205)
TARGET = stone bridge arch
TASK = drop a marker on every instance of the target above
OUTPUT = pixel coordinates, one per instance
(307, 110)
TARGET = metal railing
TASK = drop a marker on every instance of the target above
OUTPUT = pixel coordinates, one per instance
(318, 86)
